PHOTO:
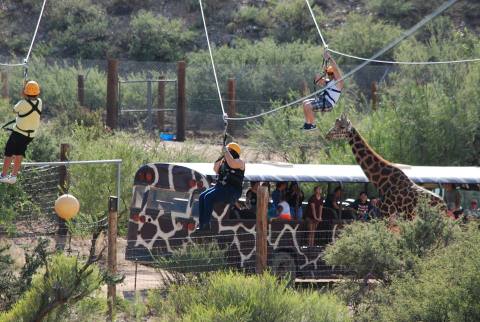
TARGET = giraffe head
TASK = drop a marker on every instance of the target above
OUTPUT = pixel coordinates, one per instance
(341, 130)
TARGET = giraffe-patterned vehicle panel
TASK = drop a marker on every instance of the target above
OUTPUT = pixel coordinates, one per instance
(164, 214)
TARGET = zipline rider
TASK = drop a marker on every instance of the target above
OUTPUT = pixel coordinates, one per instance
(328, 98)
(228, 189)
(26, 124)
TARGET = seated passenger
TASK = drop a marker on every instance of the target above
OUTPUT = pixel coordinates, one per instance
(251, 196)
(283, 210)
(230, 169)
(374, 212)
(453, 199)
(295, 198)
(473, 212)
(333, 203)
(361, 206)
(277, 195)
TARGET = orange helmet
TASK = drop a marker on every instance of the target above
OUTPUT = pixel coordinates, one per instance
(31, 88)
(329, 70)
(234, 147)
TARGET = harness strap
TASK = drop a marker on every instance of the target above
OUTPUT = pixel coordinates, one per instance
(34, 109)
(4, 127)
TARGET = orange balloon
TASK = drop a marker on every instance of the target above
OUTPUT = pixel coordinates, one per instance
(67, 206)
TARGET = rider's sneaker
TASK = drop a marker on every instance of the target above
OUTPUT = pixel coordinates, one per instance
(309, 127)
(11, 179)
(3, 179)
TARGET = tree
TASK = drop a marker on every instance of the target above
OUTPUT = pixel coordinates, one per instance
(155, 37)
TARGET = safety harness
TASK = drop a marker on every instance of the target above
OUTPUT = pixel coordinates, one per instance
(324, 94)
(32, 110)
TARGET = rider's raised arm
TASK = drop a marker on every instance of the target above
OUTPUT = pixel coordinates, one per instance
(336, 71)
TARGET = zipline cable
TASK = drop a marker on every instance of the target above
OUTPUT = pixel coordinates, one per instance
(382, 61)
(460, 61)
(27, 57)
(224, 115)
(392, 44)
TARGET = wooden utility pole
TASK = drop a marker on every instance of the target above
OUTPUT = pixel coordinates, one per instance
(112, 252)
(63, 183)
(231, 99)
(161, 104)
(81, 90)
(181, 100)
(374, 96)
(112, 93)
(261, 229)
(5, 86)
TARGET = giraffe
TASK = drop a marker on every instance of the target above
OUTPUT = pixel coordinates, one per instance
(400, 194)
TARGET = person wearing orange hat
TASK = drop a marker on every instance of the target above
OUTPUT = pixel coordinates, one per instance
(25, 127)
(231, 170)
(333, 84)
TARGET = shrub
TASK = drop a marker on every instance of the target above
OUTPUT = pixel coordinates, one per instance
(372, 250)
(445, 287)
(227, 295)
(194, 258)
(64, 282)
(77, 29)
(155, 37)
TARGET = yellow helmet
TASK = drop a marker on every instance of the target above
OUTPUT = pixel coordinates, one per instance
(31, 88)
(234, 147)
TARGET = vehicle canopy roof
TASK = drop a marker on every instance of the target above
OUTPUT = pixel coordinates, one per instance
(276, 172)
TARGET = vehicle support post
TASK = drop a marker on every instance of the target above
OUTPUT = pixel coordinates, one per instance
(261, 230)
(181, 100)
(161, 104)
(112, 93)
(231, 99)
(112, 253)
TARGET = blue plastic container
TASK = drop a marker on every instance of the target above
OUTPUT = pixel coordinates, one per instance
(167, 136)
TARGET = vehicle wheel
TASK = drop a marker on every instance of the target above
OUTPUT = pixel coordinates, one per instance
(283, 265)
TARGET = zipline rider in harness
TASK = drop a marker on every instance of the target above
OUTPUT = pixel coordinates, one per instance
(231, 170)
(25, 126)
(326, 100)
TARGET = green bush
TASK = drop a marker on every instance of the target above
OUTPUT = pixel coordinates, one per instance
(62, 284)
(372, 250)
(233, 296)
(362, 36)
(155, 37)
(77, 28)
(445, 287)
(194, 258)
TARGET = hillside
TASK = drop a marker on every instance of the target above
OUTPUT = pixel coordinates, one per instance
(165, 30)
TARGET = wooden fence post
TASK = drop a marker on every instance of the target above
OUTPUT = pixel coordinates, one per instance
(63, 183)
(161, 104)
(112, 93)
(261, 229)
(181, 101)
(112, 253)
(81, 90)
(232, 105)
(5, 86)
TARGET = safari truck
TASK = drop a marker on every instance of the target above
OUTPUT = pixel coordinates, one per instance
(164, 212)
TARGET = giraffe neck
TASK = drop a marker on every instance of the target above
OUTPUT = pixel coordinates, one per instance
(370, 161)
